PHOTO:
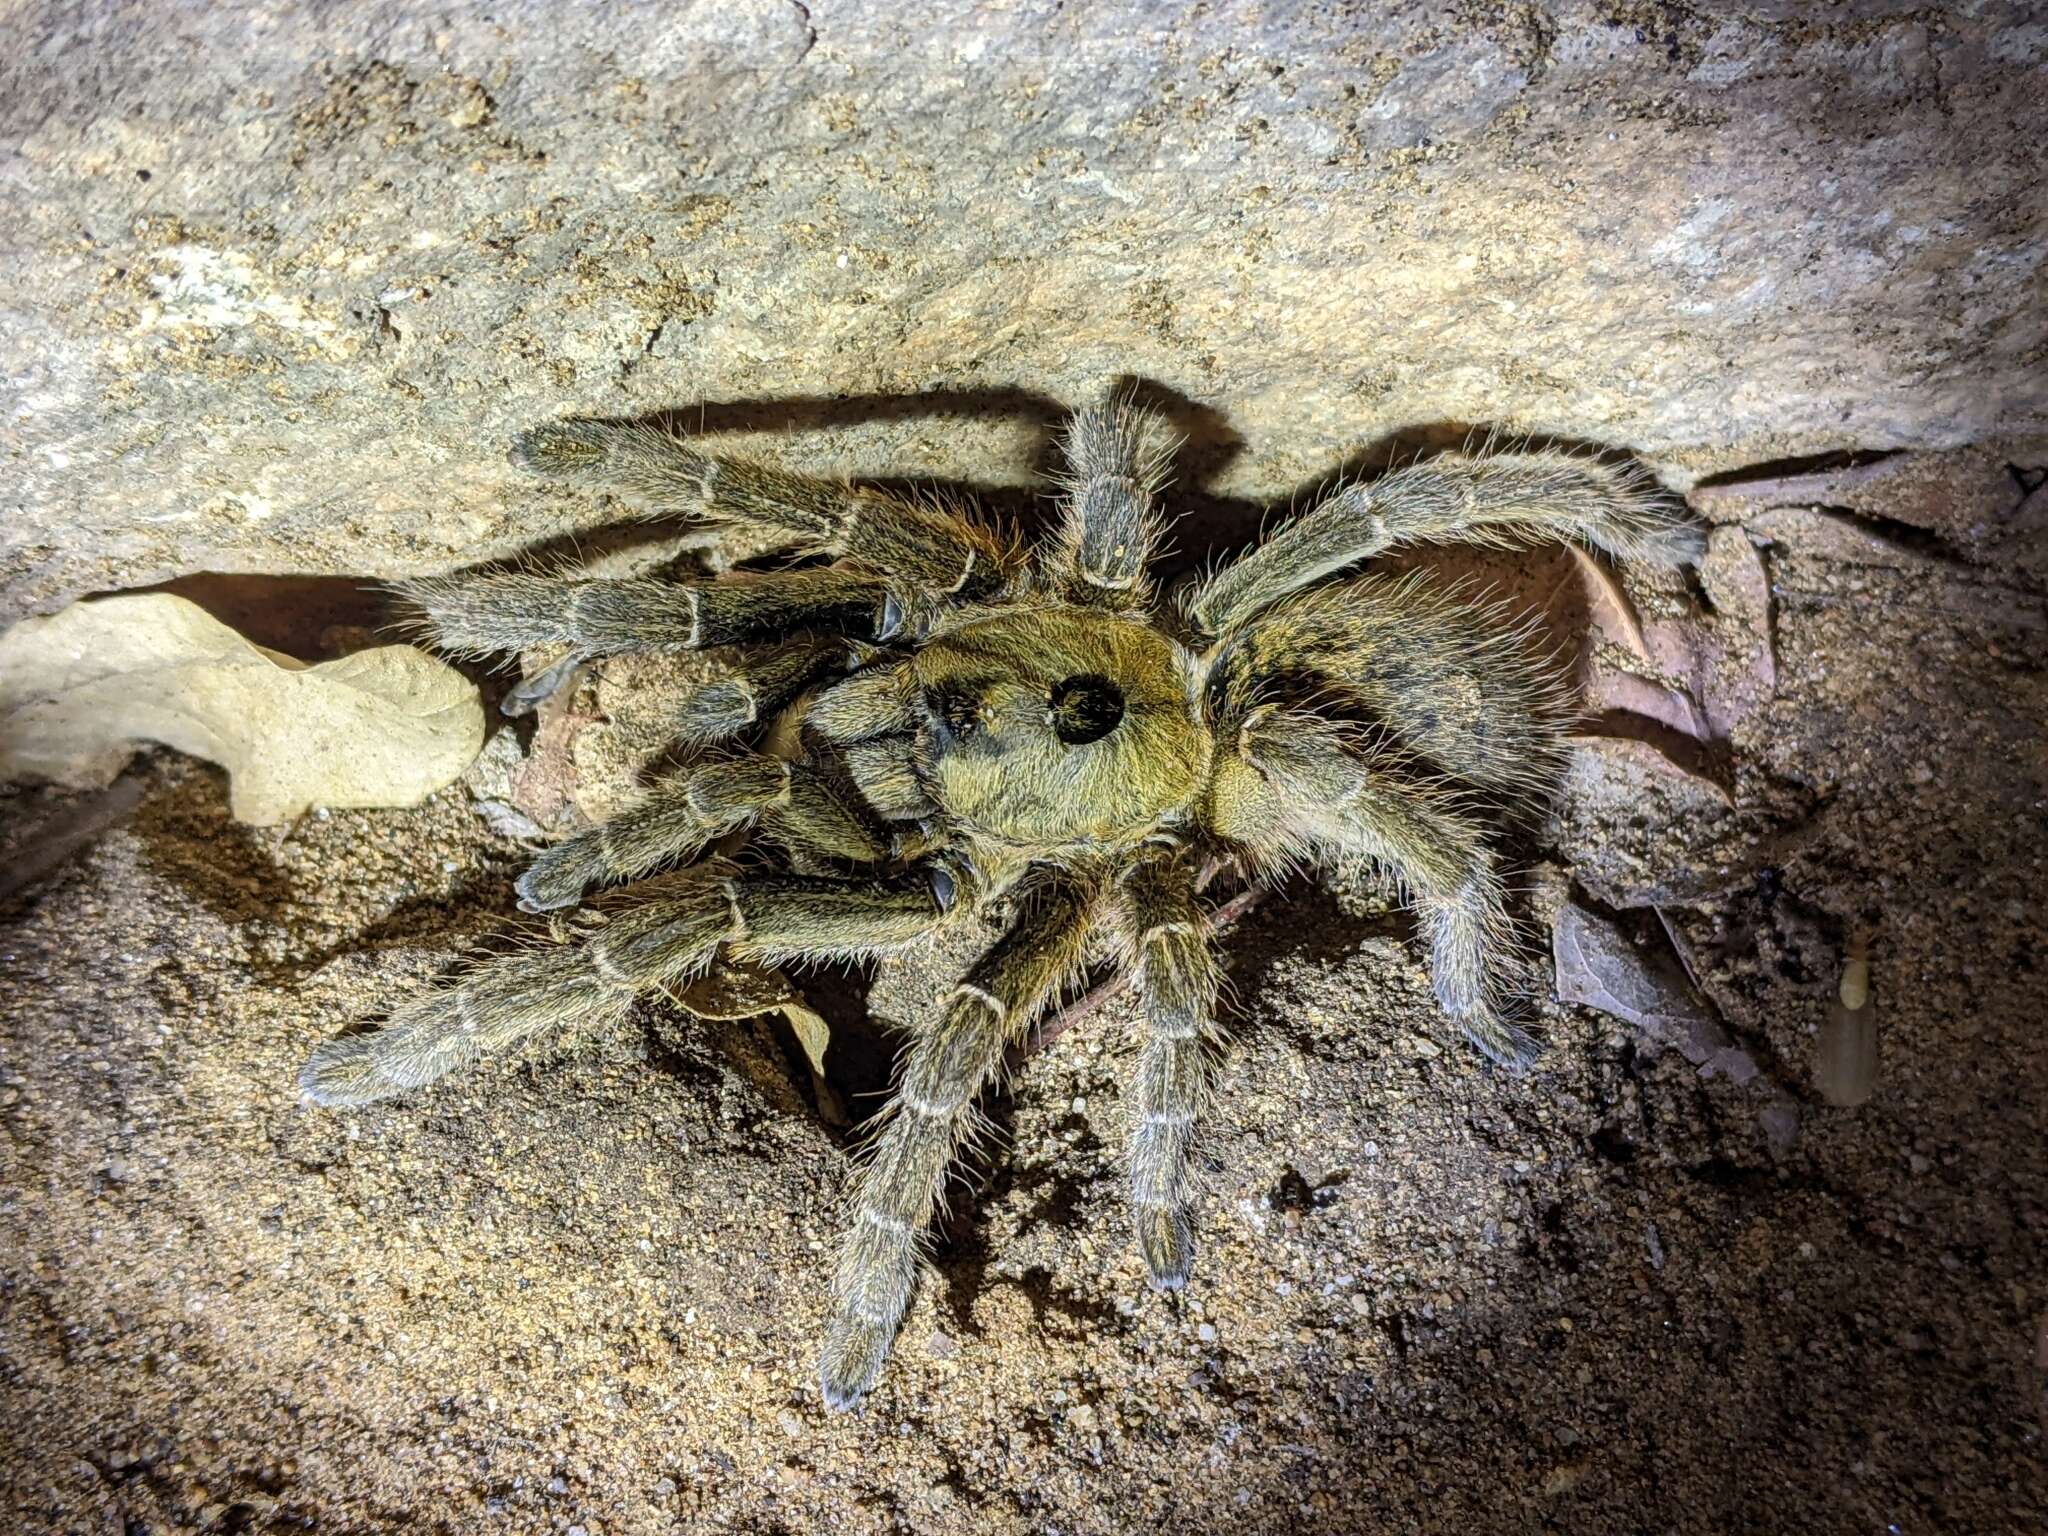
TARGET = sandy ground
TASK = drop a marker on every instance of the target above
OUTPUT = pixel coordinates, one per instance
(580, 1291)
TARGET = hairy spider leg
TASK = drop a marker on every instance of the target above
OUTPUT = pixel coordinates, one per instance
(933, 1111)
(1460, 684)
(1161, 924)
(480, 615)
(759, 683)
(1301, 786)
(668, 935)
(1503, 499)
(935, 551)
(686, 811)
(1109, 525)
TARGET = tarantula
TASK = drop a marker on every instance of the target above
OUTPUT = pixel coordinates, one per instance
(1034, 736)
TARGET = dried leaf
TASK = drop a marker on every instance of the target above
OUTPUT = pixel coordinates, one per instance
(1598, 966)
(1608, 604)
(739, 989)
(50, 844)
(1640, 830)
(1625, 693)
(1738, 659)
(80, 690)
(1724, 664)
(1957, 494)
(543, 784)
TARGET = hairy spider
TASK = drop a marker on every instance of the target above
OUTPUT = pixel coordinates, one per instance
(1035, 737)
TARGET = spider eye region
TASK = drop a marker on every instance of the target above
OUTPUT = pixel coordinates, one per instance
(957, 711)
(1085, 708)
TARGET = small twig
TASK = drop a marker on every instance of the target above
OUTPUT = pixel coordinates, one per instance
(1221, 921)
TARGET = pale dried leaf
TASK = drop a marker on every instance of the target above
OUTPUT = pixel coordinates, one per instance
(740, 989)
(1608, 605)
(82, 689)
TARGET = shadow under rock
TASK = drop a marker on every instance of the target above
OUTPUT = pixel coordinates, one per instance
(308, 618)
(1206, 445)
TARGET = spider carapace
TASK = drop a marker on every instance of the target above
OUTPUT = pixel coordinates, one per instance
(1037, 737)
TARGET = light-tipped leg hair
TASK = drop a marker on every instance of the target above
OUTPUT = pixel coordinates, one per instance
(663, 937)
(1117, 457)
(676, 819)
(760, 683)
(1508, 498)
(1303, 787)
(932, 549)
(948, 1064)
(479, 615)
(1161, 923)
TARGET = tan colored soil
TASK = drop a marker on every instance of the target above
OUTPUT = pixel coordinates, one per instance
(579, 1291)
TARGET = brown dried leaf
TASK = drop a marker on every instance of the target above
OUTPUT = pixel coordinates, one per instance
(1957, 494)
(1723, 664)
(1597, 965)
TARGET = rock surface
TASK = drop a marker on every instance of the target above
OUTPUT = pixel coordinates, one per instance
(279, 285)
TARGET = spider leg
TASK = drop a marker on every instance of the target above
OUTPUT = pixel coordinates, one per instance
(676, 819)
(1115, 467)
(1162, 923)
(819, 819)
(934, 550)
(661, 939)
(1504, 498)
(685, 811)
(879, 701)
(1298, 786)
(476, 615)
(933, 1111)
(760, 683)
(885, 768)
